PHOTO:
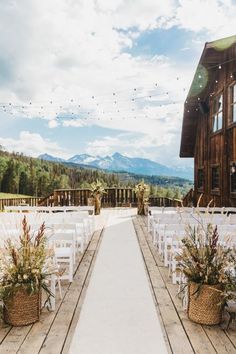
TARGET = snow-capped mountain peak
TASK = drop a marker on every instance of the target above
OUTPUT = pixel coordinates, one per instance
(118, 162)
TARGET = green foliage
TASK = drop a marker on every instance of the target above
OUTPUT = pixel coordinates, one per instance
(20, 174)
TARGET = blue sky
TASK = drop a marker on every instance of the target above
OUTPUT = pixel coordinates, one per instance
(102, 76)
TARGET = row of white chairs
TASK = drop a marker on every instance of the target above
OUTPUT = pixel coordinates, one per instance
(180, 215)
(210, 210)
(48, 209)
(67, 235)
(169, 228)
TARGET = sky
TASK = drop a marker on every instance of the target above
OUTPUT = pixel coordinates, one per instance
(102, 76)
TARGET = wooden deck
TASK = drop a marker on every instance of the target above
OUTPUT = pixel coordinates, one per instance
(53, 333)
(183, 335)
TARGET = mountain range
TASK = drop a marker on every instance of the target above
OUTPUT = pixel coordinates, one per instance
(120, 163)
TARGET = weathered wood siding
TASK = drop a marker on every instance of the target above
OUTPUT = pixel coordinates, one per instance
(218, 148)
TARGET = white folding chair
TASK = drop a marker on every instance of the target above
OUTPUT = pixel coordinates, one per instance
(64, 245)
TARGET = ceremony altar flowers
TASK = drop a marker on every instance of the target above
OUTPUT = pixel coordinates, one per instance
(97, 191)
(25, 266)
(142, 192)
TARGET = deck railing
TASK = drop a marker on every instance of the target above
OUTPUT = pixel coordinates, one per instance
(31, 201)
(188, 199)
(114, 197)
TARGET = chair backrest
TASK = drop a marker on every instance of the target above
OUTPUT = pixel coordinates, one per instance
(232, 219)
(169, 219)
(64, 227)
(185, 210)
(170, 210)
(155, 210)
(174, 231)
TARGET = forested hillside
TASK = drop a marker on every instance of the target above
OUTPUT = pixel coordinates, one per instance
(30, 176)
(20, 174)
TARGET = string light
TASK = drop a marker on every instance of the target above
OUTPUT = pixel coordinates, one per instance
(43, 109)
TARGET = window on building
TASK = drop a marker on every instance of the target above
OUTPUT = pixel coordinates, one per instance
(233, 177)
(215, 177)
(232, 100)
(200, 178)
(217, 112)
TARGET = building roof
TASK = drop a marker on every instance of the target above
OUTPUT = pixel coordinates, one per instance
(214, 54)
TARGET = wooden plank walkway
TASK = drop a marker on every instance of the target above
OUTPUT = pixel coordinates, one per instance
(183, 335)
(53, 333)
(118, 314)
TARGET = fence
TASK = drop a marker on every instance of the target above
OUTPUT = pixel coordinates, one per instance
(114, 197)
(31, 201)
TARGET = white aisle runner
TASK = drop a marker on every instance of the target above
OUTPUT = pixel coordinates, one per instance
(118, 315)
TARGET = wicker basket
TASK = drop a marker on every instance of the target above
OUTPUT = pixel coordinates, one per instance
(205, 306)
(22, 309)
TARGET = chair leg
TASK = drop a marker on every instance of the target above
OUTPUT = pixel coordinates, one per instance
(71, 270)
(53, 291)
(59, 287)
(174, 280)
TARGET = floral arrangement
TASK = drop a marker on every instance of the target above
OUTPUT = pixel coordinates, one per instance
(97, 191)
(25, 263)
(204, 261)
(97, 188)
(142, 192)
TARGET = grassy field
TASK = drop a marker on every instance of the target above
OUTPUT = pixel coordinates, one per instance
(11, 196)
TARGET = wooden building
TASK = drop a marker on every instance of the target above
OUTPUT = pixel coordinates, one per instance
(209, 124)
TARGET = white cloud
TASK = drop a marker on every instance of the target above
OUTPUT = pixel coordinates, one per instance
(58, 54)
(32, 144)
(215, 17)
(52, 123)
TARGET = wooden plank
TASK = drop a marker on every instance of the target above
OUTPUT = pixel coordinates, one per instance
(4, 330)
(81, 299)
(195, 332)
(177, 337)
(202, 338)
(39, 330)
(56, 337)
(14, 339)
(231, 333)
(30, 339)
(35, 332)
(219, 339)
